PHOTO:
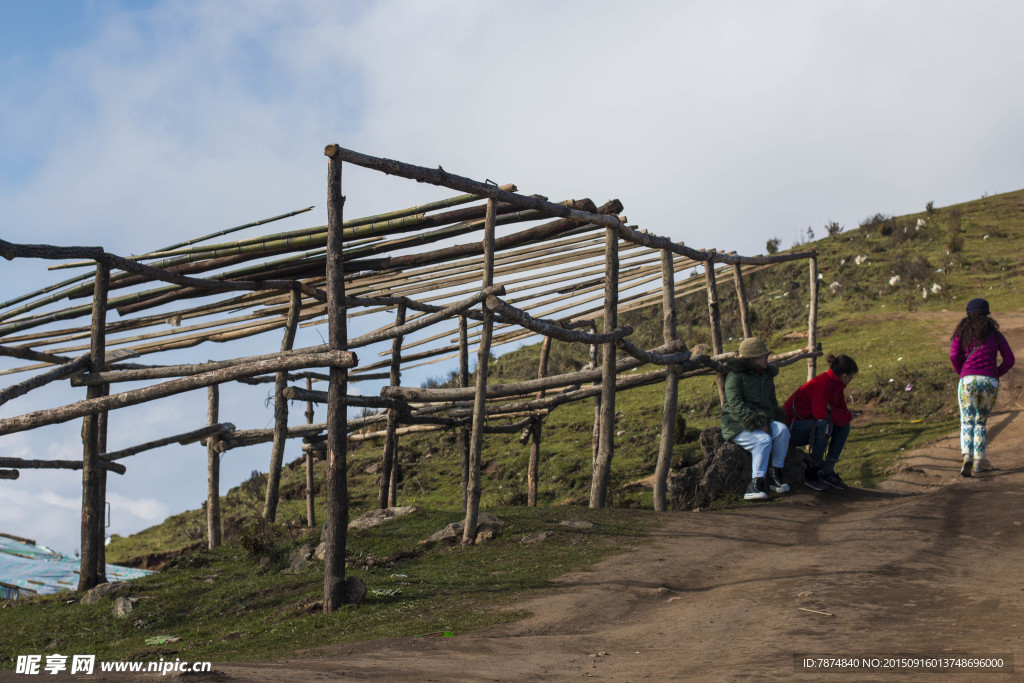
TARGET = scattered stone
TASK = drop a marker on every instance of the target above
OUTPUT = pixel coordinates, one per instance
(487, 528)
(538, 537)
(320, 551)
(355, 590)
(298, 561)
(122, 607)
(576, 524)
(374, 518)
(373, 469)
(113, 589)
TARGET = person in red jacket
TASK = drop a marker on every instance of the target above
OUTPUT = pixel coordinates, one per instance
(817, 415)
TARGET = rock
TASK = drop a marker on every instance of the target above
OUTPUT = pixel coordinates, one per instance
(298, 561)
(538, 537)
(320, 550)
(122, 607)
(355, 590)
(114, 588)
(488, 527)
(374, 518)
(724, 469)
(373, 469)
(576, 524)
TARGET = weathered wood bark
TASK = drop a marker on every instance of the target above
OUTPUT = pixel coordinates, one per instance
(91, 573)
(606, 442)
(550, 329)
(29, 354)
(213, 525)
(24, 464)
(741, 294)
(45, 378)
(310, 490)
(9, 474)
(479, 412)
(280, 414)
(536, 428)
(292, 361)
(716, 320)
(635, 236)
(671, 406)
(595, 432)
(385, 493)
(464, 432)
(812, 319)
(337, 442)
(201, 435)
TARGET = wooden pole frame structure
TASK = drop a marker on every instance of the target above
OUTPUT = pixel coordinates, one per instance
(671, 406)
(281, 412)
(387, 495)
(213, 522)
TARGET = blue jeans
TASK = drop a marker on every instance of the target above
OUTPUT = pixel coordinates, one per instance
(828, 440)
(761, 445)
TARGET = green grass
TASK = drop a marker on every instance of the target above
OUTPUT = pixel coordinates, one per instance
(234, 604)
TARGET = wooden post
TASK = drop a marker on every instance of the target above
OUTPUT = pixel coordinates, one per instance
(310, 491)
(606, 442)
(213, 528)
(536, 425)
(812, 319)
(463, 383)
(281, 413)
(101, 540)
(741, 294)
(716, 319)
(671, 407)
(337, 418)
(479, 403)
(387, 494)
(91, 573)
(595, 432)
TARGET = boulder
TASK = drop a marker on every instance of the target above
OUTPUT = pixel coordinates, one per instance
(576, 524)
(298, 561)
(488, 527)
(122, 607)
(374, 518)
(114, 588)
(538, 537)
(724, 469)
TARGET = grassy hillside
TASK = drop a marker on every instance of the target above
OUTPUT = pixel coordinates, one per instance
(894, 277)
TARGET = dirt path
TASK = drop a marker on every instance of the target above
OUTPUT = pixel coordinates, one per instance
(929, 564)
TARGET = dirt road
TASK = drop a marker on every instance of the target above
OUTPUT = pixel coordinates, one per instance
(928, 565)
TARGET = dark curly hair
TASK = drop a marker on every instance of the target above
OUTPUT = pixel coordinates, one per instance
(842, 364)
(975, 328)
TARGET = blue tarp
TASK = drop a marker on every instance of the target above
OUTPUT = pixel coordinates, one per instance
(30, 569)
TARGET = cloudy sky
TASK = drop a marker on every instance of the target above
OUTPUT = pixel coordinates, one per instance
(721, 124)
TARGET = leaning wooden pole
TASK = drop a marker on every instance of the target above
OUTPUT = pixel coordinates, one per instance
(310, 491)
(812, 319)
(668, 413)
(479, 403)
(606, 443)
(281, 413)
(715, 316)
(103, 420)
(337, 418)
(464, 432)
(91, 573)
(741, 295)
(595, 432)
(213, 532)
(386, 495)
(536, 427)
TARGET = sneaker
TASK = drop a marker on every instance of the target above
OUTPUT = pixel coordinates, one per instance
(815, 482)
(775, 482)
(833, 480)
(965, 469)
(980, 466)
(756, 490)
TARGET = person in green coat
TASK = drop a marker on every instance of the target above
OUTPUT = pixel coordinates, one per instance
(752, 418)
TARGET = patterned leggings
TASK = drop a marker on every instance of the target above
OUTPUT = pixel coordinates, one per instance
(977, 395)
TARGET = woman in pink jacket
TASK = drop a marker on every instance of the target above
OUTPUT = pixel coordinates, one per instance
(973, 350)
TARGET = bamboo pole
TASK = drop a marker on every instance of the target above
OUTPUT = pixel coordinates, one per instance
(292, 361)
(464, 432)
(91, 573)
(671, 406)
(741, 295)
(536, 428)
(606, 441)
(337, 418)
(479, 414)
(716, 320)
(280, 413)
(812, 319)
(310, 491)
(213, 524)
(387, 494)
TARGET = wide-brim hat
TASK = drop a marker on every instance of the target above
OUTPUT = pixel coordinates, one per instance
(753, 348)
(977, 306)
